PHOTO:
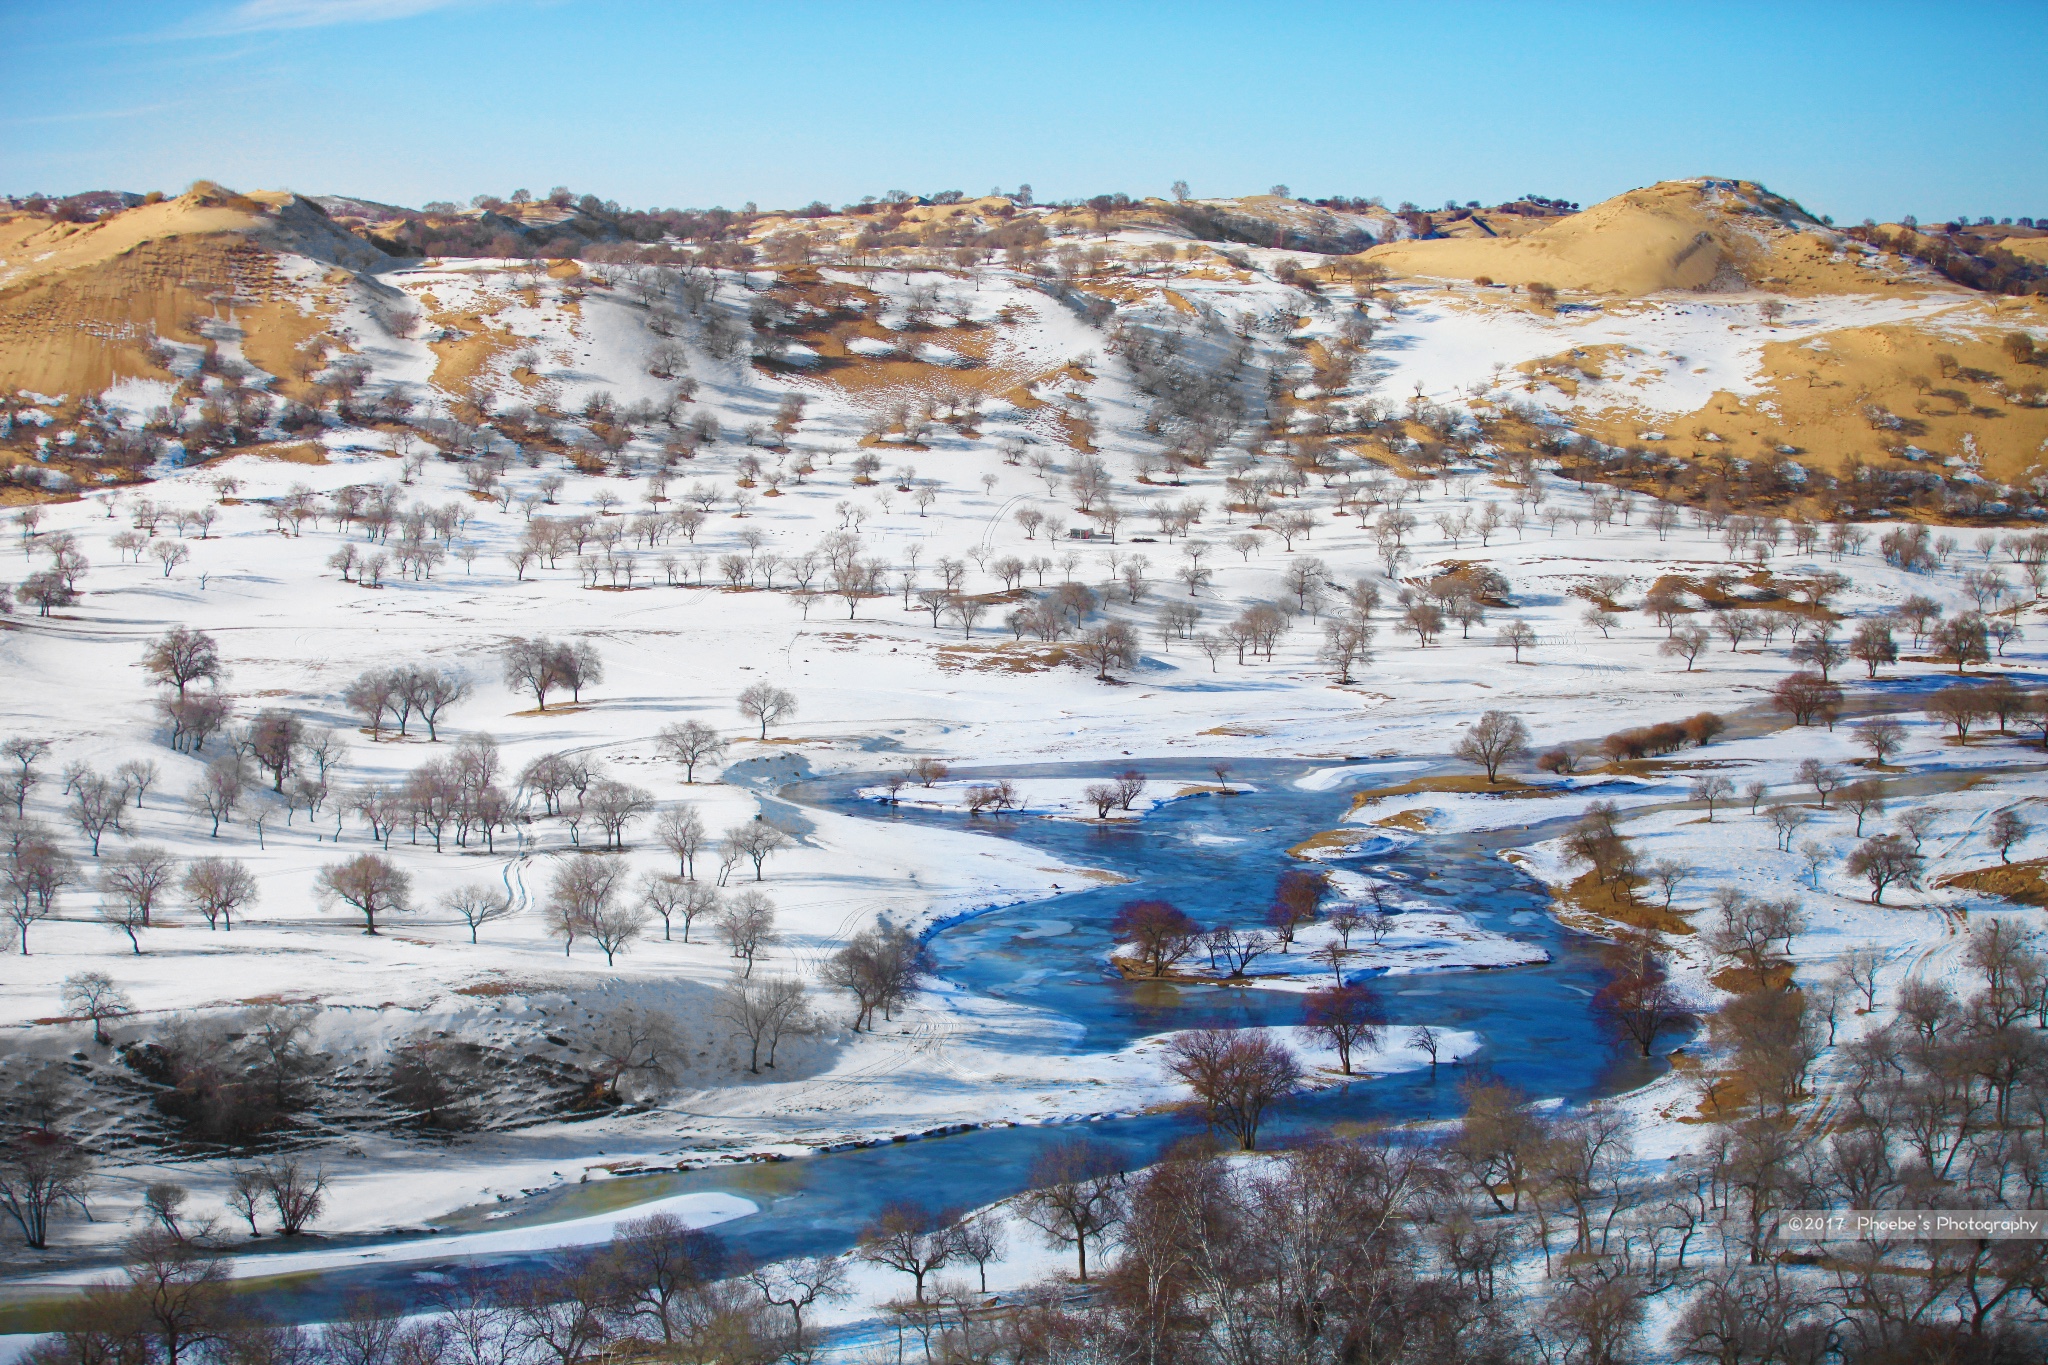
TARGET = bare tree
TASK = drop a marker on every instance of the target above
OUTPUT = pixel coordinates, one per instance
(1639, 999)
(689, 743)
(1916, 823)
(96, 807)
(25, 751)
(613, 927)
(582, 889)
(33, 872)
(1885, 860)
(1687, 643)
(220, 790)
(1883, 736)
(747, 924)
(1077, 1195)
(767, 704)
(1236, 1077)
(372, 694)
(909, 1237)
(1347, 645)
(137, 877)
(613, 805)
(1297, 896)
(217, 888)
(1709, 788)
(666, 1270)
(180, 657)
(1346, 1018)
(95, 997)
(1428, 1041)
(1866, 798)
(1669, 875)
(756, 840)
(1109, 645)
(123, 917)
(763, 1010)
(665, 894)
(1960, 706)
(370, 884)
(681, 831)
(979, 1238)
(39, 1171)
(138, 775)
(432, 691)
(883, 967)
(670, 896)
(1495, 738)
(1230, 949)
(1787, 820)
(1102, 796)
(1161, 932)
(541, 666)
(796, 1285)
(1516, 635)
(2007, 827)
(297, 1195)
(631, 1041)
(477, 905)
(1860, 965)
(1873, 646)
(1818, 775)
(1807, 697)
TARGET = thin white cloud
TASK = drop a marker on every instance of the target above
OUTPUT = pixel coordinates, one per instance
(258, 16)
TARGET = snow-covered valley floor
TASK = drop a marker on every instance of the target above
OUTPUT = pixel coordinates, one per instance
(877, 683)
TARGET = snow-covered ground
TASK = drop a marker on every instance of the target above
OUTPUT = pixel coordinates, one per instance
(877, 686)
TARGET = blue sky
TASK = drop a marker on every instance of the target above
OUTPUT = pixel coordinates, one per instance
(1873, 109)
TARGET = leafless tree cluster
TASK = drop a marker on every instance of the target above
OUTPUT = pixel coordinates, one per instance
(585, 899)
(34, 871)
(459, 795)
(882, 968)
(232, 1078)
(542, 666)
(180, 660)
(763, 1011)
(752, 841)
(400, 693)
(1335, 1253)
(659, 1287)
(1649, 741)
(56, 584)
(574, 787)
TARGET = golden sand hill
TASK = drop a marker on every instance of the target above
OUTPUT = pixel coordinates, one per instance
(78, 302)
(1879, 394)
(2033, 249)
(1678, 234)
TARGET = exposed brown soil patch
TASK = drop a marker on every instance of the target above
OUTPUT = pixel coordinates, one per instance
(2024, 883)
(1474, 784)
(1596, 906)
(1332, 839)
(1742, 981)
(1010, 657)
(1416, 821)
